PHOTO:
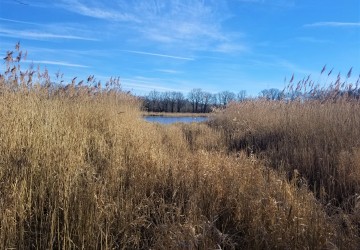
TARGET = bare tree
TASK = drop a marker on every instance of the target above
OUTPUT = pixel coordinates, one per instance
(165, 100)
(206, 99)
(225, 97)
(241, 96)
(271, 94)
(154, 100)
(195, 97)
(180, 100)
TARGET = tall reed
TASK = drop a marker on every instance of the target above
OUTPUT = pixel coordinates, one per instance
(315, 141)
(80, 169)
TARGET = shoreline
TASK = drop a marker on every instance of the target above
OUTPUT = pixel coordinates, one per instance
(165, 114)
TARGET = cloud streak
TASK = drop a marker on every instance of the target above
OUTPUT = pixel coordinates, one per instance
(147, 84)
(59, 63)
(312, 40)
(169, 71)
(17, 21)
(333, 24)
(31, 4)
(273, 61)
(275, 3)
(158, 55)
(231, 47)
(97, 12)
(36, 35)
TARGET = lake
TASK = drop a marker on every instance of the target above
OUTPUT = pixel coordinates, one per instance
(170, 119)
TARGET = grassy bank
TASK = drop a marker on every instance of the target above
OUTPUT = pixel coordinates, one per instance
(80, 169)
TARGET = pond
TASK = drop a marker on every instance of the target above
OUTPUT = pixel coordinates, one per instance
(172, 119)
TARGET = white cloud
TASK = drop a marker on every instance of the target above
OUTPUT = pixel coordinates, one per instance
(275, 3)
(60, 63)
(333, 24)
(39, 31)
(40, 35)
(158, 55)
(312, 39)
(231, 48)
(28, 3)
(280, 63)
(169, 71)
(148, 84)
(292, 67)
(186, 24)
(97, 12)
(17, 21)
(251, 1)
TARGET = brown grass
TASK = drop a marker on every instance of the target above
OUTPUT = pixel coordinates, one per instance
(81, 170)
(317, 142)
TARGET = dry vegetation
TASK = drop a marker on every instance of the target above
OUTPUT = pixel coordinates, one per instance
(80, 169)
(316, 143)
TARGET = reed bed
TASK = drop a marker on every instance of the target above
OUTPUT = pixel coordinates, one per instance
(80, 169)
(316, 142)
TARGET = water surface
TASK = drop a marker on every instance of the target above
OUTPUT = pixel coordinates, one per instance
(170, 120)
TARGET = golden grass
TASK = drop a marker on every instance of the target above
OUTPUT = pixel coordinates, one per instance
(88, 172)
(82, 170)
(317, 141)
(80, 174)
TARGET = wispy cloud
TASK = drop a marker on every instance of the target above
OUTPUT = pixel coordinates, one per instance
(192, 24)
(158, 55)
(32, 3)
(275, 3)
(58, 52)
(59, 63)
(148, 84)
(294, 68)
(169, 71)
(312, 40)
(17, 21)
(38, 35)
(186, 24)
(129, 84)
(231, 47)
(280, 63)
(45, 31)
(97, 11)
(333, 24)
(251, 1)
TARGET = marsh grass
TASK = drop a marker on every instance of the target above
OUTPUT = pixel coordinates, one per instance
(319, 140)
(80, 169)
(316, 142)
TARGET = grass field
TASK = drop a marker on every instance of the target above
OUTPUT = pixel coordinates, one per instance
(80, 169)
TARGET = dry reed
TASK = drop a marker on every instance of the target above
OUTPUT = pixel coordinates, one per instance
(80, 169)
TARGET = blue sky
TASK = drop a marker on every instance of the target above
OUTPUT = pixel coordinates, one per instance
(178, 45)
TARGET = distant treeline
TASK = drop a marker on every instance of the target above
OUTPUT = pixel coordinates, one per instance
(196, 101)
(199, 101)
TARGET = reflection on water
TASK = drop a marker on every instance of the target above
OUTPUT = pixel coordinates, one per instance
(169, 120)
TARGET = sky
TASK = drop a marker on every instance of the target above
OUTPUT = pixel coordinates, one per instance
(178, 45)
